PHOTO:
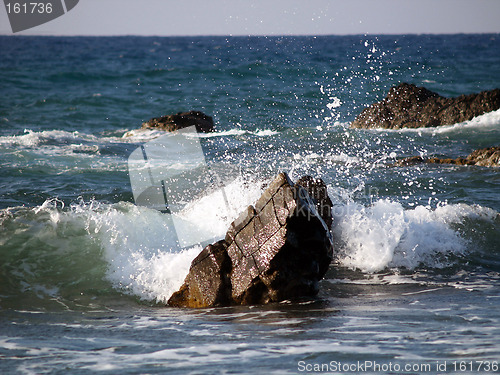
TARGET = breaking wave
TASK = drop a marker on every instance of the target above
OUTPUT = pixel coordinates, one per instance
(63, 255)
(385, 235)
(486, 122)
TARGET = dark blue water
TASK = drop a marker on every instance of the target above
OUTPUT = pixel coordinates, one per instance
(85, 273)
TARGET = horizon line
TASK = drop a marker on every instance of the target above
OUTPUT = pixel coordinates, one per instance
(246, 35)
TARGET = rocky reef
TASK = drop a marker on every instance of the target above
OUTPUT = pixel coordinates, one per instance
(279, 249)
(485, 157)
(203, 122)
(409, 106)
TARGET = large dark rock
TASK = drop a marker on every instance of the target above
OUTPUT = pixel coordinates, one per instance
(485, 157)
(277, 250)
(409, 106)
(317, 190)
(203, 122)
(208, 279)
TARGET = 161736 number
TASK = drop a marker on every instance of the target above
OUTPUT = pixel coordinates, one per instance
(26, 8)
(475, 366)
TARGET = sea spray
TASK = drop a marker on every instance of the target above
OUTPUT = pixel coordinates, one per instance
(140, 245)
(61, 311)
(60, 253)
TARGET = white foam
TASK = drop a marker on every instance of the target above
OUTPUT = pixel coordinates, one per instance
(486, 122)
(490, 120)
(142, 135)
(310, 158)
(32, 138)
(83, 142)
(233, 132)
(140, 244)
(265, 133)
(387, 235)
(343, 158)
(334, 104)
(140, 248)
(215, 212)
(62, 150)
(230, 132)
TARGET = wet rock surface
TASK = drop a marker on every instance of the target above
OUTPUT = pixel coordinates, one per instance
(409, 106)
(208, 279)
(317, 191)
(278, 249)
(203, 122)
(485, 157)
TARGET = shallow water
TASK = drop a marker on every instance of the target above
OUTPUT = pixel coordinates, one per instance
(85, 273)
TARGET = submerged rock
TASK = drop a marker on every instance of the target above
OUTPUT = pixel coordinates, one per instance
(485, 157)
(203, 122)
(409, 106)
(277, 250)
(412, 160)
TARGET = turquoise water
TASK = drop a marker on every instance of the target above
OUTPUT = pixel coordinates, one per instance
(84, 273)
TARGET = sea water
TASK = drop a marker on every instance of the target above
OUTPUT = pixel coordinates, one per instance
(85, 273)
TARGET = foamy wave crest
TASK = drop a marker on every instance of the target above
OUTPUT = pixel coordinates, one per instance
(140, 244)
(95, 246)
(486, 122)
(387, 235)
(140, 249)
(490, 120)
(59, 252)
(234, 132)
(65, 151)
(60, 142)
(32, 138)
(141, 135)
(66, 140)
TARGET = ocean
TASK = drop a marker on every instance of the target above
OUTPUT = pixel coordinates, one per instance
(85, 273)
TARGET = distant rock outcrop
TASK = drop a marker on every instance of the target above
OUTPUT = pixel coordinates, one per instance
(409, 106)
(485, 157)
(277, 250)
(203, 122)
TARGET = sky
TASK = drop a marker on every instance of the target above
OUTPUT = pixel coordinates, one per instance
(269, 17)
